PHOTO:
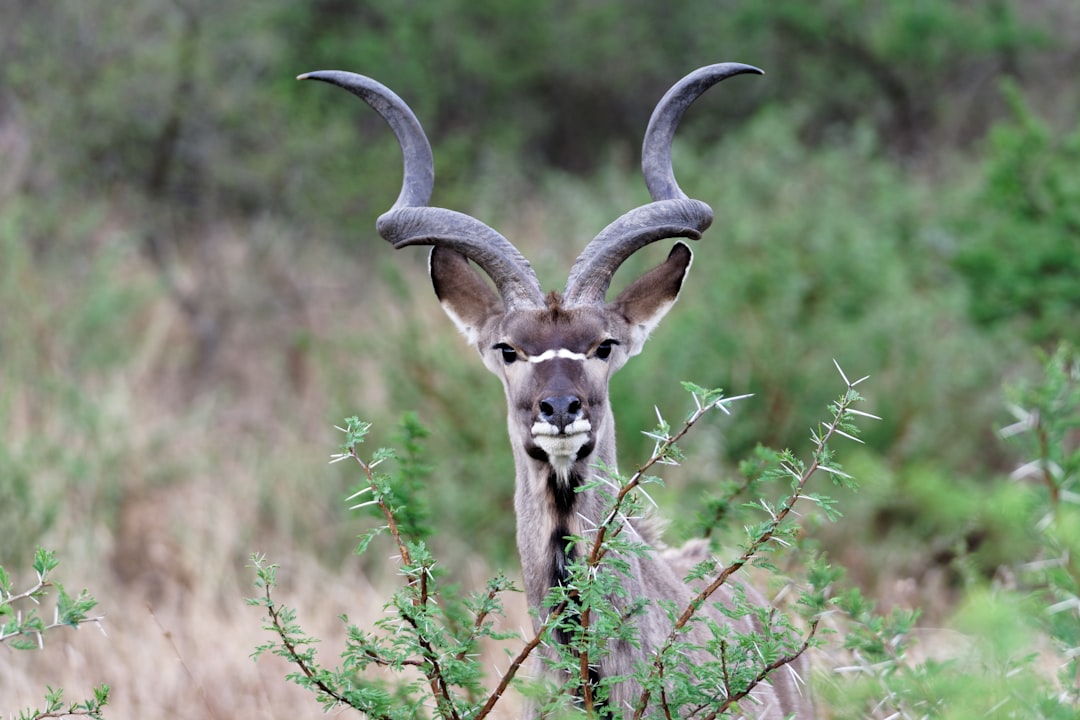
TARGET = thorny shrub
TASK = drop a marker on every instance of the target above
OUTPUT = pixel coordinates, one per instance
(430, 636)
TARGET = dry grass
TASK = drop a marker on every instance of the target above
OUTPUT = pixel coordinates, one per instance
(191, 466)
(189, 655)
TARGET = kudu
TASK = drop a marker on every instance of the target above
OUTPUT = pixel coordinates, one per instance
(555, 353)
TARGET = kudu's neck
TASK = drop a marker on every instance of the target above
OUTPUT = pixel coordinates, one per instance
(550, 507)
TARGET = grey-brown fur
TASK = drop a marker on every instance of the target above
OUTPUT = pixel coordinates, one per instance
(555, 354)
(542, 522)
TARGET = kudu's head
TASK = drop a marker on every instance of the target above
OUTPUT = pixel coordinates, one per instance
(554, 353)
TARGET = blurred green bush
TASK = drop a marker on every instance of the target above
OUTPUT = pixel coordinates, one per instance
(1023, 256)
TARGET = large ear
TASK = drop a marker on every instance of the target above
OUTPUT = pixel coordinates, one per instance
(465, 296)
(646, 301)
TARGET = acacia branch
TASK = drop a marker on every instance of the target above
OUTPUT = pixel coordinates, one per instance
(295, 657)
(432, 670)
(752, 550)
(68, 713)
(39, 632)
(583, 662)
(478, 623)
(21, 630)
(662, 450)
(1054, 489)
(33, 592)
(440, 689)
(391, 523)
(763, 674)
(519, 660)
(610, 527)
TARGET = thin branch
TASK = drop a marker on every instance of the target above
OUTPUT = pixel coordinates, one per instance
(723, 668)
(583, 662)
(369, 472)
(41, 584)
(97, 620)
(663, 697)
(295, 657)
(519, 660)
(764, 673)
(754, 547)
(382, 662)
(32, 594)
(68, 713)
(478, 623)
(440, 690)
(663, 447)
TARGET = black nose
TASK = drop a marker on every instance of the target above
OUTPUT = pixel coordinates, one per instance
(560, 411)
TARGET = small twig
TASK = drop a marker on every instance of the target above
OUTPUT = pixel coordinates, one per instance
(583, 663)
(663, 447)
(183, 663)
(369, 472)
(519, 660)
(478, 623)
(1044, 456)
(755, 546)
(294, 654)
(68, 713)
(382, 662)
(663, 697)
(723, 668)
(763, 674)
(41, 584)
(32, 594)
(433, 672)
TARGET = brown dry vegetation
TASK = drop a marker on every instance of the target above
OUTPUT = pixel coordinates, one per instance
(204, 469)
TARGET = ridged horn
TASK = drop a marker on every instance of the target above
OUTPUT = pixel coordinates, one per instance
(419, 176)
(410, 222)
(671, 214)
(656, 148)
(494, 254)
(591, 273)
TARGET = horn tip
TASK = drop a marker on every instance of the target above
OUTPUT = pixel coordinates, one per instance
(742, 68)
(334, 77)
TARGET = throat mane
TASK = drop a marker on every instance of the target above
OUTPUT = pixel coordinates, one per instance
(562, 485)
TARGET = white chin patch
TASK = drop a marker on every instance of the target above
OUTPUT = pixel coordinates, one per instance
(561, 448)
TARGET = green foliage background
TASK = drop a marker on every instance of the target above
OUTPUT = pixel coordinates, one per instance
(193, 291)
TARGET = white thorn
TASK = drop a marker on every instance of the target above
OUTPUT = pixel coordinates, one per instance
(841, 371)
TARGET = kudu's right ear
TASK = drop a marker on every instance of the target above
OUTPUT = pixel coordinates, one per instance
(463, 293)
(645, 301)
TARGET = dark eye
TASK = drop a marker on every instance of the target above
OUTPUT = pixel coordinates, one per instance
(509, 354)
(603, 350)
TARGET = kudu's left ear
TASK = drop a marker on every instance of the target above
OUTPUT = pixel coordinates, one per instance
(646, 301)
(463, 293)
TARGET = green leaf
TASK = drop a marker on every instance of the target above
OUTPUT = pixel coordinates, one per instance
(44, 562)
